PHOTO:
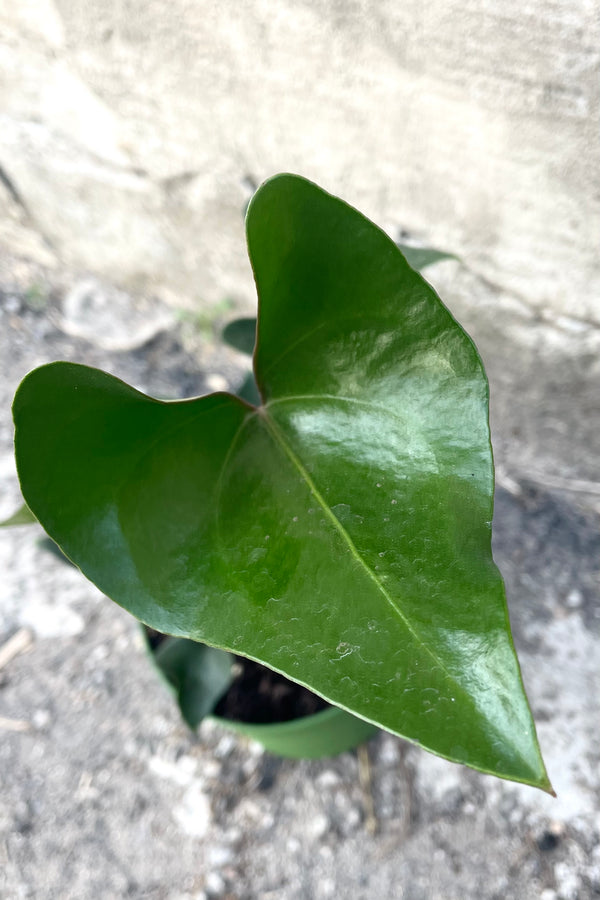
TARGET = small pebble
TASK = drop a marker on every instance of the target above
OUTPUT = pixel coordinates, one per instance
(567, 882)
(214, 884)
(256, 749)
(326, 887)
(211, 768)
(328, 779)
(193, 814)
(233, 835)
(574, 599)
(318, 826)
(41, 719)
(225, 746)
(219, 856)
(100, 653)
(351, 820)
(216, 382)
(248, 811)
(389, 751)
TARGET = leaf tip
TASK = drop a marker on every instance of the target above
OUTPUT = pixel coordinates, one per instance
(547, 788)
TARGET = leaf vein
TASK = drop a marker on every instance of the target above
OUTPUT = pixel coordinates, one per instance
(280, 439)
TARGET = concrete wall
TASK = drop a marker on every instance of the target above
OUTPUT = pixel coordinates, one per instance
(128, 129)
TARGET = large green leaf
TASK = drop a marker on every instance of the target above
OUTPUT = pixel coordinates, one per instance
(339, 532)
(241, 333)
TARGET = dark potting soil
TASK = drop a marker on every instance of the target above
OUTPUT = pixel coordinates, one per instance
(258, 695)
(263, 697)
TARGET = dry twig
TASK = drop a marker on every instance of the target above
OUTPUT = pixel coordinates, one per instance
(14, 724)
(18, 643)
(366, 783)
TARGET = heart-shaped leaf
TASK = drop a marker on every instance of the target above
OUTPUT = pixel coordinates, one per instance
(340, 531)
(241, 333)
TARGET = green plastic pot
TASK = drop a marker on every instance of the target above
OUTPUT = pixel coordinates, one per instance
(326, 733)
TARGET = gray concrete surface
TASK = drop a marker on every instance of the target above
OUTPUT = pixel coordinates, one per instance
(103, 792)
(473, 125)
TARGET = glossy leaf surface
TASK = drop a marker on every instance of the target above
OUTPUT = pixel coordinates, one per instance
(340, 532)
(241, 333)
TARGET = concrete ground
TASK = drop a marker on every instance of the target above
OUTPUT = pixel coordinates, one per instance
(103, 791)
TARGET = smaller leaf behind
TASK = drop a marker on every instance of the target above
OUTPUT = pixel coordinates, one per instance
(22, 516)
(47, 544)
(198, 674)
(248, 390)
(419, 258)
(241, 334)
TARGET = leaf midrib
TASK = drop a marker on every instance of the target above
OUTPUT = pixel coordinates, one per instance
(280, 439)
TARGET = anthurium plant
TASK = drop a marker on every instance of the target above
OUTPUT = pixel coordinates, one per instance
(338, 529)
